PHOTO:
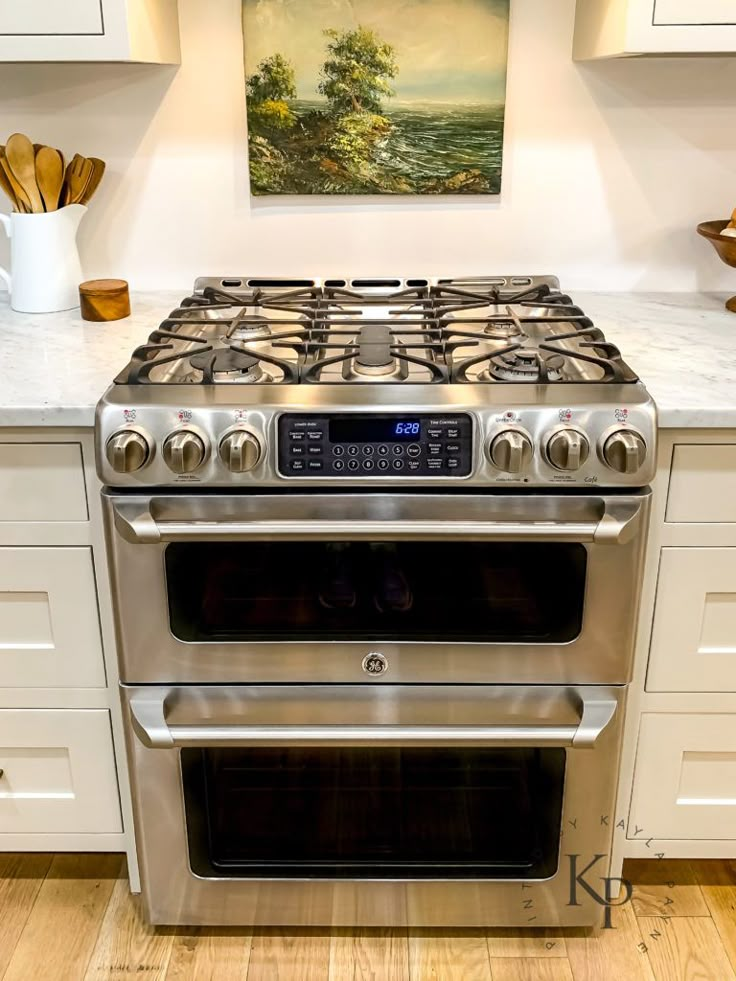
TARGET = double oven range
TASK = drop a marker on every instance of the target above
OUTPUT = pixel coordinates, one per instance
(376, 555)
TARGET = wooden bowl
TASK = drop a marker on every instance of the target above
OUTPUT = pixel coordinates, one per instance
(724, 245)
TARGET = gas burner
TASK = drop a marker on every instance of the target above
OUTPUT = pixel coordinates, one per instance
(228, 366)
(524, 366)
(253, 327)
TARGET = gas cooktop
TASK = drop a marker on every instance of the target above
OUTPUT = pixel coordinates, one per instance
(376, 332)
(259, 383)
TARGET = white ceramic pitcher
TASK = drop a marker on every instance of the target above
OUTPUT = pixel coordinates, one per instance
(45, 269)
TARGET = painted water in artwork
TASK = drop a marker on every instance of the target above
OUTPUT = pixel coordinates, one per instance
(375, 96)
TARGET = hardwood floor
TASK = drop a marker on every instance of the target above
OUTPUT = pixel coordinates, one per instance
(71, 918)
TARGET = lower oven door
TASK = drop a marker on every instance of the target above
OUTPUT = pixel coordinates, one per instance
(450, 589)
(373, 805)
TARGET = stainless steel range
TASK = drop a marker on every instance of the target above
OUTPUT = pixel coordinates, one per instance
(376, 551)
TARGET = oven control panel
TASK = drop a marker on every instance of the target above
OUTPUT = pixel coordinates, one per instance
(375, 445)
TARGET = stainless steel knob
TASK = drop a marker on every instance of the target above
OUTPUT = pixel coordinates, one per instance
(127, 451)
(511, 451)
(625, 451)
(568, 450)
(184, 451)
(240, 451)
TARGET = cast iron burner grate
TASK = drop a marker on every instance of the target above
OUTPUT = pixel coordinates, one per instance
(479, 332)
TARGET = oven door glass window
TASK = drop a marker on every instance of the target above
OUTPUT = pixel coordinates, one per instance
(423, 591)
(383, 813)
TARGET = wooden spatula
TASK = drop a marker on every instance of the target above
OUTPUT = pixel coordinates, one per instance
(77, 177)
(49, 176)
(22, 159)
(21, 198)
(98, 170)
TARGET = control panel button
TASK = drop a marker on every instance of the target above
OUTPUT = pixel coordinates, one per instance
(435, 449)
(353, 465)
(434, 433)
(434, 464)
(415, 466)
(297, 437)
(314, 435)
(127, 451)
(338, 466)
(353, 450)
(453, 448)
(298, 450)
(398, 464)
(453, 463)
(368, 450)
(383, 450)
(383, 464)
(297, 466)
(338, 450)
(510, 451)
(316, 450)
(398, 450)
(184, 452)
(368, 465)
(452, 433)
(315, 465)
(414, 450)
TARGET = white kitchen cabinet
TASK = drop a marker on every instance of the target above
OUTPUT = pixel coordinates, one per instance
(616, 28)
(49, 625)
(42, 482)
(89, 30)
(685, 778)
(694, 631)
(703, 484)
(58, 773)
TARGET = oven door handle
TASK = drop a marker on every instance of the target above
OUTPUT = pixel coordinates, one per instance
(618, 525)
(149, 710)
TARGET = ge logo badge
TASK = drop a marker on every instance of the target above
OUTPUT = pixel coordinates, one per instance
(374, 664)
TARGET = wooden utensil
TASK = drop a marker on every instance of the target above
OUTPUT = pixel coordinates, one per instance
(7, 187)
(21, 198)
(49, 176)
(98, 171)
(21, 157)
(77, 177)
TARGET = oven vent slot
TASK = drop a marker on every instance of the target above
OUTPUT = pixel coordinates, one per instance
(367, 284)
(281, 283)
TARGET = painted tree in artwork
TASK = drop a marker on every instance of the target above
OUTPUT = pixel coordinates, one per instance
(356, 74)
(273, 81)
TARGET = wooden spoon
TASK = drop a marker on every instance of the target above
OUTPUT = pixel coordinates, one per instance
(23, 205)
(77, 178)
(98, 171)
(6, 186)
(49, 176)
(22, 159)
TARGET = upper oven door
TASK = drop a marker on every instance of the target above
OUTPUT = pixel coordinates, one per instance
(446, 588)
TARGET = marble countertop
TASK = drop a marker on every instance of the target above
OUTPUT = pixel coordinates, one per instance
(55, 367)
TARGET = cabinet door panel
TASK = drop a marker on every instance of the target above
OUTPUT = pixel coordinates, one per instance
(42, 482)
(49, 622)
(685, 777)
(688, 12)
(38, 17)
(693, 645)
(58, 772)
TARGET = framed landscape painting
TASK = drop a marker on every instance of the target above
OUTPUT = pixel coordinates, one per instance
(375, 96)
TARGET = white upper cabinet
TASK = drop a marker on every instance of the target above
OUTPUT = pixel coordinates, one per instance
(89, 30)
(615, 28)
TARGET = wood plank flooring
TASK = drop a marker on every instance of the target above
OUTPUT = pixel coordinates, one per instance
(71, 918)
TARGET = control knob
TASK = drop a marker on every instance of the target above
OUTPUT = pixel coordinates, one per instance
(240, 451)
(568, 450)
(184, 451)
(511, 451)
(127, 451)
(625, 451)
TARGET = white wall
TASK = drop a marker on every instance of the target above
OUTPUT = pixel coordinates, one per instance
(609, 167)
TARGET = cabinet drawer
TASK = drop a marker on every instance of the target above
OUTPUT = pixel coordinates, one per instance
(694, 632)
(49, 624)
(42, 482)
(685, 777)
(703, 484)
(39, 17)
(697, 14)
(58, 772)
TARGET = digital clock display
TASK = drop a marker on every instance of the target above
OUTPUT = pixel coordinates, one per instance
(371, 429)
